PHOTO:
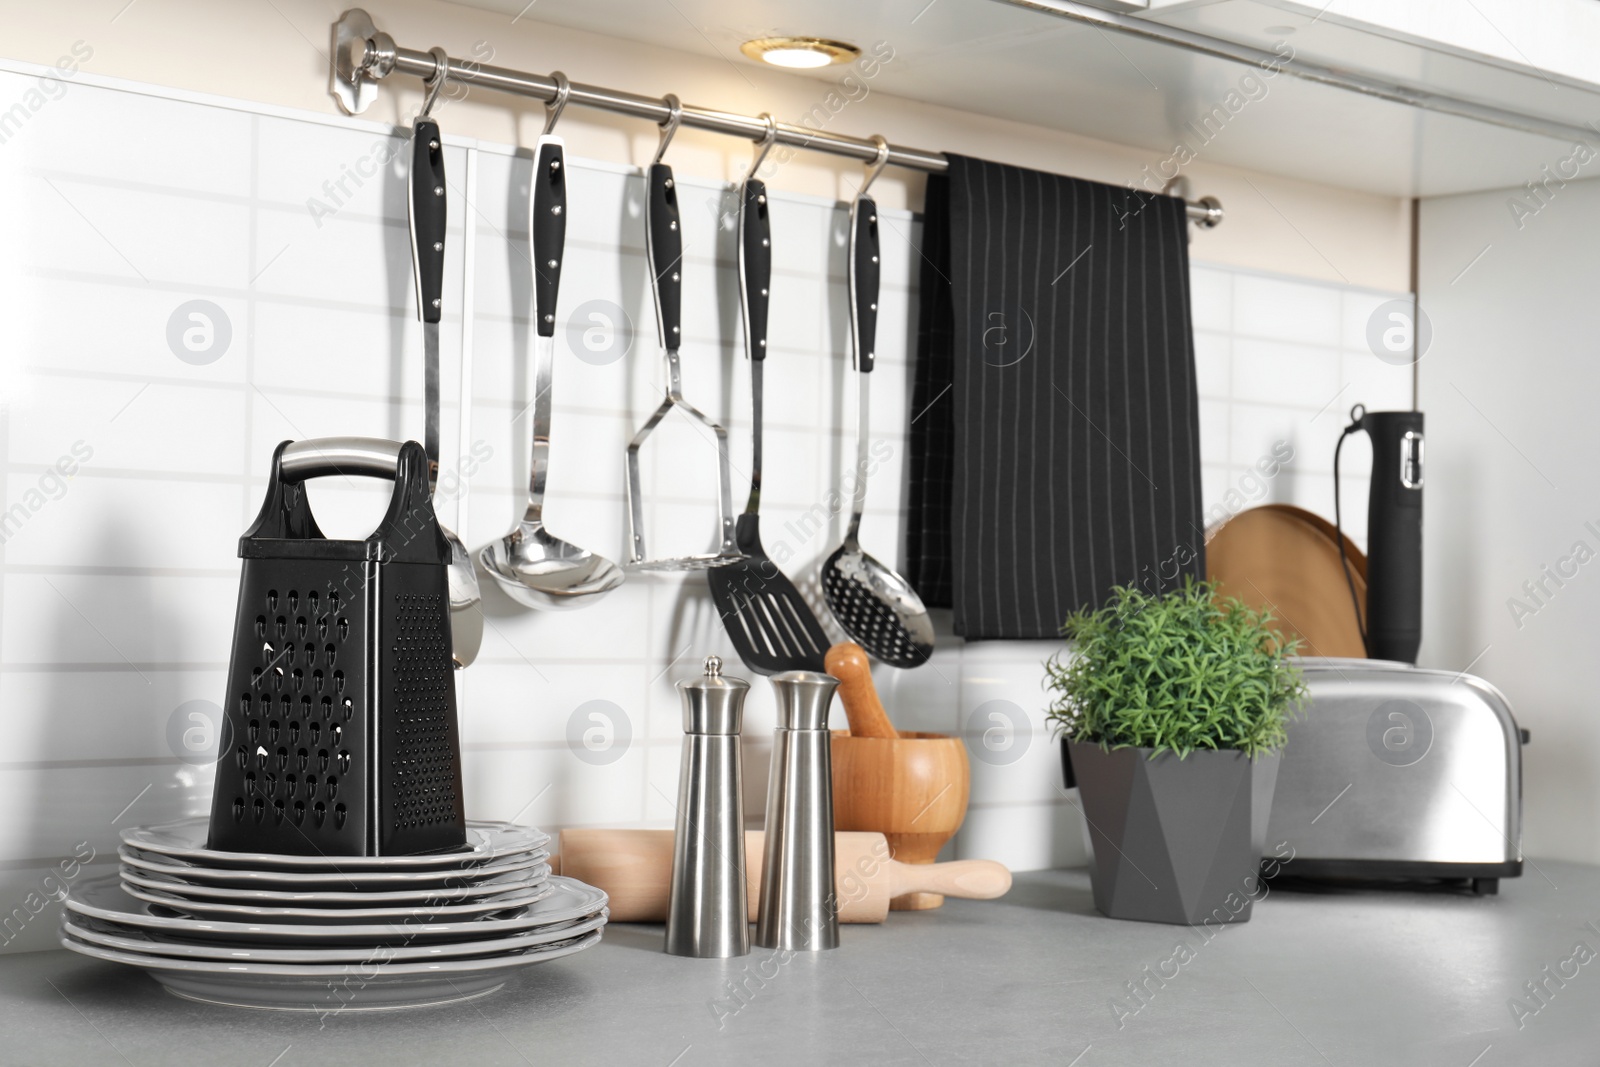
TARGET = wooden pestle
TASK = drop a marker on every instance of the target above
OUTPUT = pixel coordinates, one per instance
(634, 867)
(848, 662)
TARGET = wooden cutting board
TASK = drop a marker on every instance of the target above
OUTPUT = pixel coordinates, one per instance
(1286, 559)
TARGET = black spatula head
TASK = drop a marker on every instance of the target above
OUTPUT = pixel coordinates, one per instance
(769, 622)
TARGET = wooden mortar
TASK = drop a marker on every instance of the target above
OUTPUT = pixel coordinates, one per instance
(913, 789)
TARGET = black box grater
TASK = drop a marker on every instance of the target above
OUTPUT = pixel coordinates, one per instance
(340, 732)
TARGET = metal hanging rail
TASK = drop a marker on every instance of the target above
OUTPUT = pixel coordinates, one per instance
(363, 55)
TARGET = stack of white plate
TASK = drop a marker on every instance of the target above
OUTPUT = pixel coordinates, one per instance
(332, 933)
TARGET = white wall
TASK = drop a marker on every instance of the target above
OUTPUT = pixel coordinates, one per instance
(277, 53)
(1509, 389)
(117, 585)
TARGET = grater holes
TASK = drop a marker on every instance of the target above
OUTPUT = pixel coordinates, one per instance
(300, 626)
(277, 811)
(269, 785)
(322, 626)
(294, 600)
(294, 731)
(316, 681)
(272, 600)
(336, 732)
(253, 731)
(241, 757)
(282, 627)
(311, 601)
(333, 786)
(238, 809)
(261, 626)
(299, 812)
(311, 785)
(319, 812)
(303, 758)
(327, 707)
(344, 628)
(314, 731)
(338, 681)
(311, 654)
(305, 708)
(283, 758)
(339, 815)
(423, 767)
(349, 707)
(344, 762)
(258, 807)
(322, 760)
(328, 653)
(333, 600)
(290, 785)
(244, 703)
(255, 677)
(273, 729)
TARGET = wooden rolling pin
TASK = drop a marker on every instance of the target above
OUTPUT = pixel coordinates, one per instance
(848, 662)
(634, 867)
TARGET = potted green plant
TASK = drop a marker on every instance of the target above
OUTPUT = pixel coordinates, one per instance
(1171, 709)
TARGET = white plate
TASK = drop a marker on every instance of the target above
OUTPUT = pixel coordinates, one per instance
(186, 839)
(104, 898)
(304, 878)
(124, 939)
(425, 896)
(343, 915)
(331, 988)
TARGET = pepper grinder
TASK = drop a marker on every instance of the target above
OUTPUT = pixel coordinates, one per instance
(707, 910)
(798, 910)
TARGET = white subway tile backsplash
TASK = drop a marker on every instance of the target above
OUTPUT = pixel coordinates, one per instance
(117, 593)
(1272, 372)
(1211, 298)
(1213, 364)
(1282, 309)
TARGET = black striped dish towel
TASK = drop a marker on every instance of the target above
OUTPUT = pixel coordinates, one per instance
(1055, 446)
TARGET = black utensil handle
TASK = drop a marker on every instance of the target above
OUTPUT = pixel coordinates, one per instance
(666, 252)
(549, 231)
(755, 265)
(864, 273)
(427, 216)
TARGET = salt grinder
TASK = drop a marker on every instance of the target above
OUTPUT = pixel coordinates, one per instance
(707, 911)
(797, 908)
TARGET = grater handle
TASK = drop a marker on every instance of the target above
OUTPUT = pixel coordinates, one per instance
(322, 457)
(408, 533)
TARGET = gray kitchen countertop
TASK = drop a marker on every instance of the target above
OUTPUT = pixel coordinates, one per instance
(1330, 978)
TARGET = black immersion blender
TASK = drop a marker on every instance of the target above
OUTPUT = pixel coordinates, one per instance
(1393, 628)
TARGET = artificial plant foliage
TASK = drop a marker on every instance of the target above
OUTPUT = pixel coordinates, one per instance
(1181, 671)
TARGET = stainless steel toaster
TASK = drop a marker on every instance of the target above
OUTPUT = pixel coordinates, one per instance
(1394, 772)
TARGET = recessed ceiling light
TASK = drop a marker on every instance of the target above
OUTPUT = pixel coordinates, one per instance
(799, 52)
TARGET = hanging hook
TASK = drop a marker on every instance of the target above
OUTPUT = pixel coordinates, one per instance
(669, 127)
(558, 103)
(875, 168)
(441, 72)
(764, 145)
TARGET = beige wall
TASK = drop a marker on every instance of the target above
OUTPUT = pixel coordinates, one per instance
(276, 52)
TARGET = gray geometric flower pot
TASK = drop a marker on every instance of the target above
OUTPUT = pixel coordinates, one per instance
(1174, 839)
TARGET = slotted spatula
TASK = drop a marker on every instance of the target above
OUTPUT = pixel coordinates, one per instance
(769, 622)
